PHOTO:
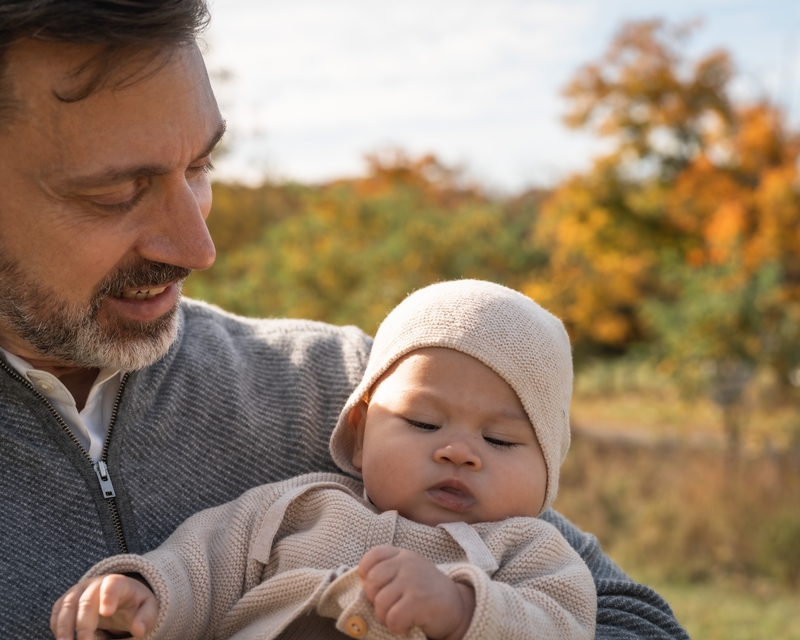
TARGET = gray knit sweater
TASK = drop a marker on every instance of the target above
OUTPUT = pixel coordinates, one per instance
(235, 403)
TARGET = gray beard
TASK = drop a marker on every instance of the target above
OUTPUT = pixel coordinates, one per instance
(73, 335)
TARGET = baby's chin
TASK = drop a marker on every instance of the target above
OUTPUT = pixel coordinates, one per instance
(433, 513)
(435, 519)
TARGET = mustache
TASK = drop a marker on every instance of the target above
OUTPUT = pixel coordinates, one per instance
(142, 274)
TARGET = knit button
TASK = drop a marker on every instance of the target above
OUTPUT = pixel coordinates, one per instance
(356, 627)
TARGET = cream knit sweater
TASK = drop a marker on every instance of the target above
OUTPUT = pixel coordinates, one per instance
(248, 568)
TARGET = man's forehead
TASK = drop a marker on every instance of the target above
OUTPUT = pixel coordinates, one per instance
(48, 70)
(61, 71)
(167, 115)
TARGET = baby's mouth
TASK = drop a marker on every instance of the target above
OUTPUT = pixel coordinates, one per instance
(452, 496)
(142, 293)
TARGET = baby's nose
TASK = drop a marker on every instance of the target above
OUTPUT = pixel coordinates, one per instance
(460, 453)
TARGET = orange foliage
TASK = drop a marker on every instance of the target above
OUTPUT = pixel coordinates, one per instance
(693, 177)
(640, 90)
(438, 184)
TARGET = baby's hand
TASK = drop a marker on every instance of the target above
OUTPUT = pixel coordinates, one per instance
(407, 590)
(116, 603)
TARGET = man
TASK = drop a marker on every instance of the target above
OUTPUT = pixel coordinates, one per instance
(122, 411)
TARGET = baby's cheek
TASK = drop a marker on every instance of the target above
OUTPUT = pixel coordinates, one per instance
(522, 492)
(386, 485)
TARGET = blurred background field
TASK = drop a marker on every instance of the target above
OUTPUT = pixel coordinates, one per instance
(674, 261)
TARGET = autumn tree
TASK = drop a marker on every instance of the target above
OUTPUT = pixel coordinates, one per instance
(686, 234)
(350, 250)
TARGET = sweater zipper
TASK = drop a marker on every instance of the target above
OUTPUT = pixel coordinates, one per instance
(100, 467)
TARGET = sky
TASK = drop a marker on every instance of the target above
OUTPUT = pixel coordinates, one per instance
(308, 87)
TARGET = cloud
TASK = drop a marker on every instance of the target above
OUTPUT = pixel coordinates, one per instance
(317, 83)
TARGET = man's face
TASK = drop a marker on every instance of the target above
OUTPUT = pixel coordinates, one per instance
(444, 438)
(103, 204)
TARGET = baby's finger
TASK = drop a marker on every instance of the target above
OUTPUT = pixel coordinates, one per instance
(88, 611)
(400, 616)
(145, 619)
(54, 612)
(110, 591)
(65, 612)
(379, 576)
(385, 599)
(62, 617)
(375, 556)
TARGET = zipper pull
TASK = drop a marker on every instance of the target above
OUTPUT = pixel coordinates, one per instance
(101, 470)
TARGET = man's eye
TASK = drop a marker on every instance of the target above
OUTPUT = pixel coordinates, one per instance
(119, 207)
(422, 425)
(500, 444)
(206, 167)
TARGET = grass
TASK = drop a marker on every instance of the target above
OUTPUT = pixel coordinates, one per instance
(721, 544)
(729, 612)
(634, 400)
(717, 535)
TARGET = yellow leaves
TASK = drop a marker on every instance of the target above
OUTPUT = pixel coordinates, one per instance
(697, 188)
(347, 251)
(393, 168)
(539, 291)
(776, 234)
(644, 95)
(760, 141)
(697, 193)
(723, 231)
(609, 328)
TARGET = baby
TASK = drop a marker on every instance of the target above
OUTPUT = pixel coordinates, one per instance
(458, 430)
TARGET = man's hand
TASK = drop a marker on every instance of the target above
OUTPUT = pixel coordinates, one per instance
(116, 603)
(407, 590)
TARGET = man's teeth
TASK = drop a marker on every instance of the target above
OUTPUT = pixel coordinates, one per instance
(143, 294)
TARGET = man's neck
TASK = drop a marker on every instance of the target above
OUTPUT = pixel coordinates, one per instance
(77, 380)
(79, 384)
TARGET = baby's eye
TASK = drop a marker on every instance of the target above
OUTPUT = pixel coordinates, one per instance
(500, 444)
(422, 425)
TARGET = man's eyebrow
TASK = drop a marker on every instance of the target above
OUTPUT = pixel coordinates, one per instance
(115, 175)
(223, 126)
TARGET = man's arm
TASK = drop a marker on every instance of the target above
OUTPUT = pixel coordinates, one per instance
(625, 609)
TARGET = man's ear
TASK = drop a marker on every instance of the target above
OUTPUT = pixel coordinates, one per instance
(357, 420)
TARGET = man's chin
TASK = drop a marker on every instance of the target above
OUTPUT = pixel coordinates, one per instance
(120, 343)
(115, 332)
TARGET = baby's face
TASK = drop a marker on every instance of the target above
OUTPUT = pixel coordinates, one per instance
(445, 438)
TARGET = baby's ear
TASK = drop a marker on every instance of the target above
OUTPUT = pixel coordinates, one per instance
(357, 419)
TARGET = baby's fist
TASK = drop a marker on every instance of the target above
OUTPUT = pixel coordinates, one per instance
(407, 590)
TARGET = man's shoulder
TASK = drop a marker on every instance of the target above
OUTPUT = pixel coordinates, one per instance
(207, 326)
(213, 339)
(201, 316)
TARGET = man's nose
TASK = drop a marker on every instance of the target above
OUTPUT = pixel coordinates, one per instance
(176, 231)
(458, 452)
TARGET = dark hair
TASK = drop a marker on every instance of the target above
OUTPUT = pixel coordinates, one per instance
(119, 25)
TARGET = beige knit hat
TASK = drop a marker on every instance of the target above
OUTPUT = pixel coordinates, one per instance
(507, 331)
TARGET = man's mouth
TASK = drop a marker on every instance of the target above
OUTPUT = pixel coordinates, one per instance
(142, 293)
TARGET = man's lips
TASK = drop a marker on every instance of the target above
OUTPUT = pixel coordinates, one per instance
(453, 495)
(143, 293)
(143, 304)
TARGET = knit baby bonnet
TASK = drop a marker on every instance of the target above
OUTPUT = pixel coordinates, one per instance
(507, 331)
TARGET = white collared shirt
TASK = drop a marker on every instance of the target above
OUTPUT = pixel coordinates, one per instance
(90, 426)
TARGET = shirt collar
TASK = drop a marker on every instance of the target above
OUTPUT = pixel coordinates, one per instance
(35, 376)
